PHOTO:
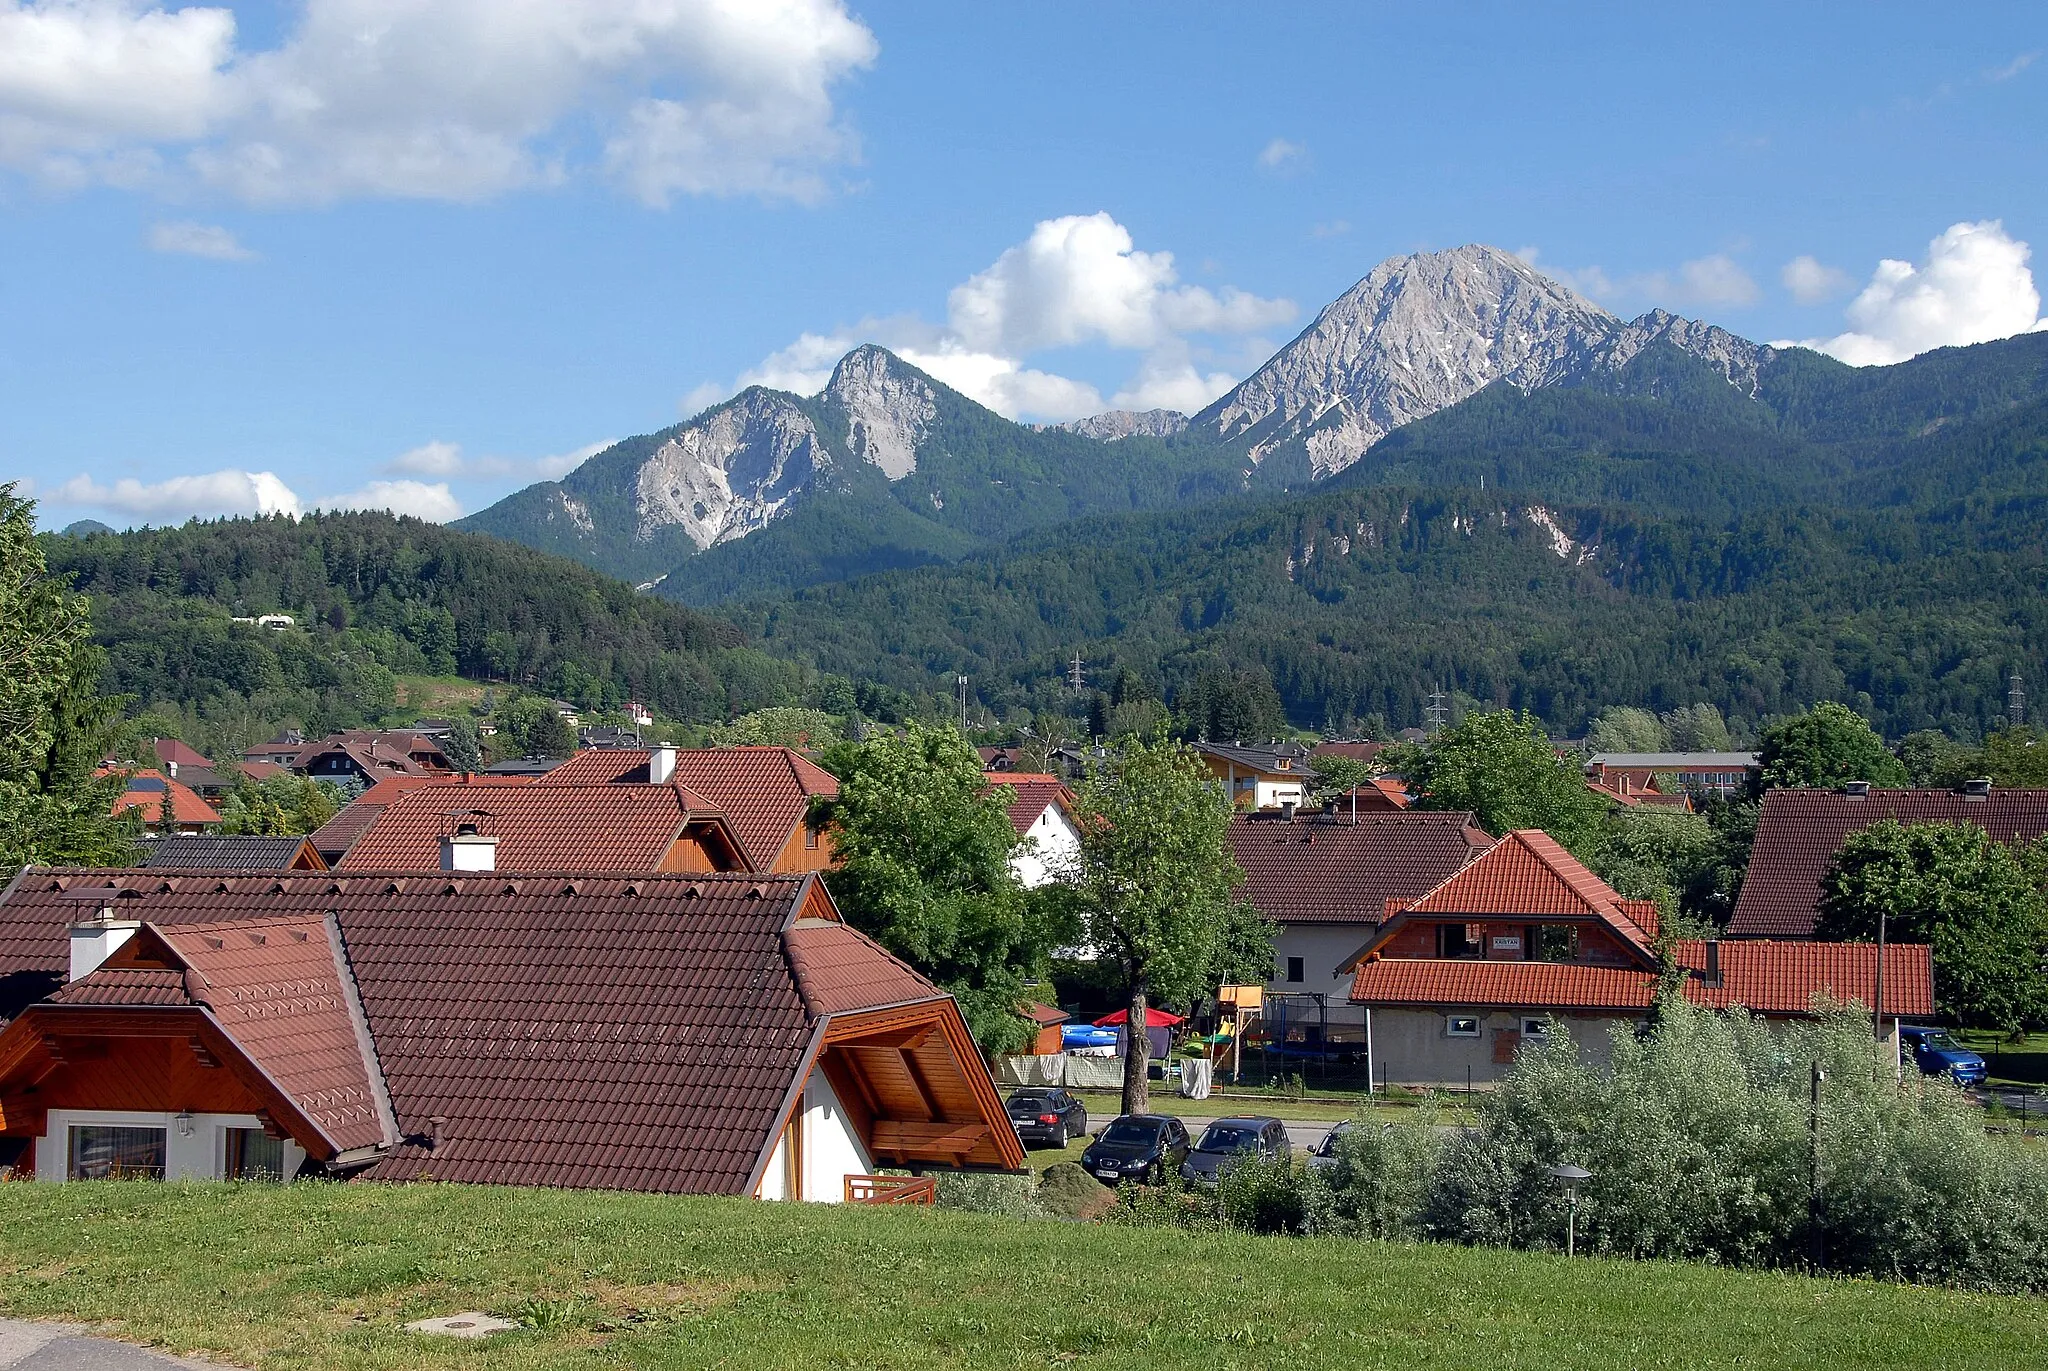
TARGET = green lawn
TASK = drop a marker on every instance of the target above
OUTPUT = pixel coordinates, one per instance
(1308, 1109)
(2011, 1063)
(321, 1276)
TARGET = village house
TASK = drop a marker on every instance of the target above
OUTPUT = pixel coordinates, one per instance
(369, 757)
(1639, 773)
(765, 793)
(1042, 812)
(230, 852)
(700, 1034)
(1260, 775)
(1326, 880)
(163, 805)
(1525, 941)
(333, 839)
(1799, 832)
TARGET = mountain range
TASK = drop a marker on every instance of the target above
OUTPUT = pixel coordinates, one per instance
(887, 467)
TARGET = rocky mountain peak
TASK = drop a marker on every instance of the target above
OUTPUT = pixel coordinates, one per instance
(730, 471)
(1126, 423)
(888, 404)
(1420, 332)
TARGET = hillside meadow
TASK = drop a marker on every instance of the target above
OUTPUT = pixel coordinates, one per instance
(322, 1276)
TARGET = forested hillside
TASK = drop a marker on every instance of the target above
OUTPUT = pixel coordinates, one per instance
(375, 596)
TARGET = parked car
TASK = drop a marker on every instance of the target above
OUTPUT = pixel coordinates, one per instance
(1937, 1054)
(1324, 1153)
(1226, 1142)
(1137, 1147)
(1049, 1117)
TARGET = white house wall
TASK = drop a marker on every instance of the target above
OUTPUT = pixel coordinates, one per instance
(831, 1149)
(198, 1156)
(1047, 846)
(1321, 947)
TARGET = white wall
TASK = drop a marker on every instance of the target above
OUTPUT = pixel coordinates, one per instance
(1048, 845)
(1321, 947)
(199, 1156)
(831, 1149)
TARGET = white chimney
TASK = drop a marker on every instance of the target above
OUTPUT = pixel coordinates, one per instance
(93, 943)
(468, 850)
(661, 765)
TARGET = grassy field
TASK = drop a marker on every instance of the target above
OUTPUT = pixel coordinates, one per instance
(321, 1276)
(2011, 1063)
(1309, 1109)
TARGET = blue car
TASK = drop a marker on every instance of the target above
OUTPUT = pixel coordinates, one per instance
(1937, 1054)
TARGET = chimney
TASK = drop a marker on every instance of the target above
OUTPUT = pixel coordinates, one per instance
(1978, 788)
(1856, 790)
(1287, 811)
(1713, 974)
(468, 850)
(661, 765)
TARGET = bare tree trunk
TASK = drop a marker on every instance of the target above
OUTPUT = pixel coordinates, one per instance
(1137, 1052)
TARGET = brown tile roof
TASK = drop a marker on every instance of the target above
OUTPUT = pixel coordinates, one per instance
(1045, 1015)
(1799, 832)
(1526, 872)
(1312, 869)
(1035, 792)
(838, 968)
(150, 800)
(378, 754)
(333, 839)
(153, 985)
(221, 850)
(169, 750)
(638, 1033)
(764, 792)
(539, 828)
(1763, 977)
(260, 770)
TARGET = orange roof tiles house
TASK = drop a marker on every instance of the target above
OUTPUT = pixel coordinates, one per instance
(765, 793)
(1526, 938)
(704, 1034)
(165, 805)
(1042, 812)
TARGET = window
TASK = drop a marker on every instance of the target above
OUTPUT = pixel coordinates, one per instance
(810, 837)
(102, 1152)
(1536, 1030)
(1458, 940)
(1556, 943)
(1461, 1026)
(1294, 970)
(253, 1155)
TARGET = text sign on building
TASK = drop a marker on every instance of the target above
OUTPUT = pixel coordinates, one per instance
(1507, 942)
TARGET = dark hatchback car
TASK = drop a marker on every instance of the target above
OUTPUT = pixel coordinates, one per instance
(1937, 1054)
(1137, 1147)
(1227, 1142)
(1049, 1117)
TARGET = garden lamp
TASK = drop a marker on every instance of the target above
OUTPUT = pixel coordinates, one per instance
(1571, 1176)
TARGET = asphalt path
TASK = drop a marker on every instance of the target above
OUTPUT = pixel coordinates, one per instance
(67, 1347)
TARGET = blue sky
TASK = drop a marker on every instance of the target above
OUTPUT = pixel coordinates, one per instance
(378, 251)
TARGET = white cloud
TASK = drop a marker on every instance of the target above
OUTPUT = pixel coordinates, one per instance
(1811, 282)
(1280, 154)
(1076, 280)
(1973, 287)
(1335, 228)
(435, 503)
(206, 495)
(434, 99)
(1716, 279)
(445, 459)
(2012, 68)
(198, 240)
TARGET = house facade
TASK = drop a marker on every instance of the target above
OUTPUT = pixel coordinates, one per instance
(1525, 942)
(708, 1034)
(1042, 812)
(1260, 775)
(764, 793)
(1638, 773)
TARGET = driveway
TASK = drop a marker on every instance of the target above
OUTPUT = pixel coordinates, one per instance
(67, 1347)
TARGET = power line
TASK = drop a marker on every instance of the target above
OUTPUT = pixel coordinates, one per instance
(1438, 711)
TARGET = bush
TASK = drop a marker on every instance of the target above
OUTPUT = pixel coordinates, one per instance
(983, 1192)
(1260, 1195)
(1067, 1191)
(1375, 1181)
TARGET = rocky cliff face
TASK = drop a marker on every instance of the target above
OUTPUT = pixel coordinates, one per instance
(730, 472)
(1127, 423)
(1423, 332)
(888, 408)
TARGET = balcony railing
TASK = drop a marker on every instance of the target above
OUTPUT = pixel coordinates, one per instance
(891, 1190)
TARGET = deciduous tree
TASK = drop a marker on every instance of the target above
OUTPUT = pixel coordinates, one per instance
(1500, 765)
(1824, 747)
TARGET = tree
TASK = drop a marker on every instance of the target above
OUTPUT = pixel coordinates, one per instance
(1662, 853)
(2013, 757)
(1824, 747)
(462, 747)
(1697, 728)
(536, 728)
(782, 726)
(1621, 728)
(921, 845)
(1153, 884)
(1337, 775)
(1950, 886)
(54, 725)
(1500, 765)
(1932, 758)
(281, 805)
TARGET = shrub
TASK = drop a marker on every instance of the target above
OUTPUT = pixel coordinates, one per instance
(1067, 1191)
(1375, 1181)
(1262, 1195)
(979, 1192)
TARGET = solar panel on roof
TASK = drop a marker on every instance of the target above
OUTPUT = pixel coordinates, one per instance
(149, 785)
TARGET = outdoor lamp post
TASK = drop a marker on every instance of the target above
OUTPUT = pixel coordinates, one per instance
(1571, 1176)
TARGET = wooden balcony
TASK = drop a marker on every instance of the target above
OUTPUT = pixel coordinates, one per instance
(891, 1190)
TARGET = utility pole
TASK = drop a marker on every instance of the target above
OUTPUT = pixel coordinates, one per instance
(961, 681)
(1076, 678)
(1816, 1247)
(1878, 996)
(2016, 702)
(1438, 712)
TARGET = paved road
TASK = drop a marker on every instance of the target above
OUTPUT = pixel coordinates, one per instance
(65, 1347)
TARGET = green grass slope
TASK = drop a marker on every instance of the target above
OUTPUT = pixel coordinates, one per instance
(322, 1276)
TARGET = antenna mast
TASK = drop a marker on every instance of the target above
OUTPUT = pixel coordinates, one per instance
(2016, 702)
(1076, 678)
(1437, 712)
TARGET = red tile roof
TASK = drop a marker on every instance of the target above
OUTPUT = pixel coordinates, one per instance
(764, 792)
(1526, 872)
(1034, 793)
(185, 805)
(170, 750)
(539, 828)
(156, 986)
(1799, 832)
(1763, 977)
(637, 1033)
(260, 770)
(1313, 869)
(1045, 1015)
